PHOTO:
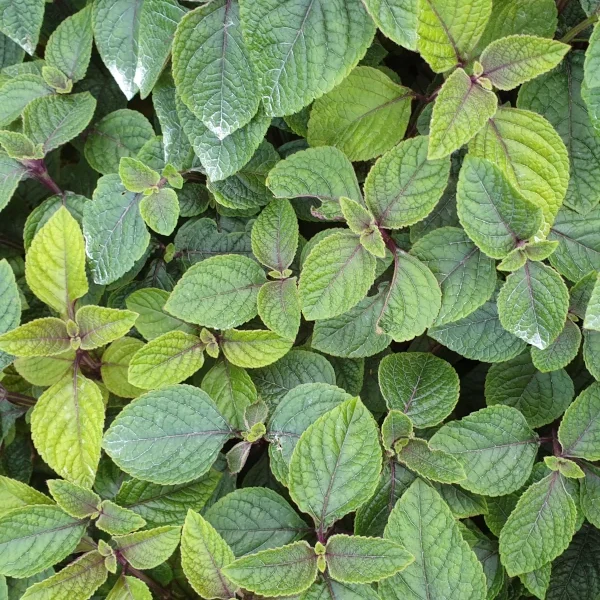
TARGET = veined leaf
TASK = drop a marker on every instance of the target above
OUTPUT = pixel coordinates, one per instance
(22, 24)
(98, 325)
(435, 465)
(279, 307)
(397, 19)
(11, 173)
(15, 494)
(129, 588)
(41, 337)
(251, 349)
(560, 352)
(18, 92)
(115, 366)
(76, 501)
(149, 548)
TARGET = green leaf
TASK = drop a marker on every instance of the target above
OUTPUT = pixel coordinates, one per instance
(148, 549)
(223, 289)
(18, 92)
(515, 59)
(439, 550)
(22, 23)
(167, 436)
(404, 186)
(396, 430)
(80, 580)
(336, 275)
(275, 235)
(279, 307)
(115, 233)
(434, 465)
(55, 120)
(165, 360)
(70, 45)
(355, 559)
(466, 276)
(209, 47)
(57, 80)
(297, 410)
(129, 588)
(364, 116)
(119, 134)
(590, 494)
(537, 581)
(592, 313)
(566, 467)
(167, 504)
(55, 266)
(527, 149)
(204, 553)
(254, 519)
(533, 304)
(302, 51)
(558, 97)
(495, 446)
(419, 384)
(134, 40)
(336, 463)
(579, 431)
(115, 366)
(34, 538)
(160, 210)
(45, 370)
(413, 299)
(11, 173)
(448, 30)
(136, 176)
(19, 146)
(494, 214)
(40, 337)
(540, 397)
(397, 20)
(353, 334)
(560, 352)
(251, 349)
(74, 500)
(281, 571)
(99, 326)
(540, 528)
(15, 494)
(117, 520)
(66, 427)
(153, 321)
(461, 109)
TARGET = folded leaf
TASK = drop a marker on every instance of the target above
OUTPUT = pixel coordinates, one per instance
(435, 465)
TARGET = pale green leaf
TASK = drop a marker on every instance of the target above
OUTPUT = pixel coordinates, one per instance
(515, 59)
(537, 581)
(45, 370)
(136, 176)
(397, 19)
(336, 463)
(165, 360)
(493, 213)
(448, 30)
(329, 589)
(11, 173)
(209, 48)
(560, 352)
(34, 538)
(304, 49)
(279, 307)
(149, 548)
(160, 210)
(336, 275)
(466, 276)
(495, 446)
(74, 500)
(444, 566)
(434, 465)
(365, 116)
(281, 571)
(540, 397)
(540, 528)
(15, 494)
(99, 326)
(419, 384)
(251, 349)
(579, 431)
(219, 292)
(204, 553)
(41, 337)
(461, 109)
(129, 588)
(404, 186)
(590, 494)
(22, 22)
(117, 520)
(55, 266)
(167, 436)
(115, 366)
(592, 312)
(66, 427)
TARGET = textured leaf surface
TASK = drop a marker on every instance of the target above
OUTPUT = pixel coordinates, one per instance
(22, 23)
(344, 447)
(560, 352)
(129, 588)
(74, 500)
(99, 326)
(117, 520)
(540, 528)
(281, 571)
(18, 92)
(495, 446)
(11, 173)
(41, 337)
(404, 186)
(364, 116)
(148, 549)
(435, 465)
(115, 365)
(397, 19)
(15, 494)
(444, 566)
(251, 349)
(279, 307)
(34, 538)
(303, 49)
(167, 436)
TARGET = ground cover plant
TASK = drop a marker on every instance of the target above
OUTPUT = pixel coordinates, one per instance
(300, 298)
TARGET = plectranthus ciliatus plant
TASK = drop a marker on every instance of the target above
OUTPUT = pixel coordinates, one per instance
(300, 299)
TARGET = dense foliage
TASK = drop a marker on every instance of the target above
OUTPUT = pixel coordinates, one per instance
(300, 298)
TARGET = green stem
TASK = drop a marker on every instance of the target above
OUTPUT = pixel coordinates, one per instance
(575, 31)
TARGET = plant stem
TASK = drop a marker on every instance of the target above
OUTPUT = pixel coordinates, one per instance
(37, 169)
(16, 398)
(575, 31)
